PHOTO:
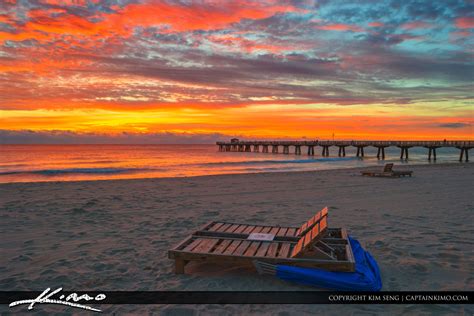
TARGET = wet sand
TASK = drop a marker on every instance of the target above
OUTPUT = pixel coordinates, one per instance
(114, 235)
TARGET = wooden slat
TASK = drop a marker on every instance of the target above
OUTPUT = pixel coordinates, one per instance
(224, 227)
(241, 248)
(261, 252)
(240, 229)
(252, 249)
(324, 211)
(297, 248)
(307, 239)
(193, 244)
(274, 231)
(213, 245)
(248, 229)
(315, 230)
(312, 221)
(215, 227)
(266, 230)
(257, 229)
(301, 229)
(232, 247)
(323, 224)
(202, 244)
(222, 246)
(206, 245)
(282, 231)
(232, 228)
(272, 250)
(291, 232)
(284, 250)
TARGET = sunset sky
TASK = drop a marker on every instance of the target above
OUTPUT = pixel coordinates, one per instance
(216, 69)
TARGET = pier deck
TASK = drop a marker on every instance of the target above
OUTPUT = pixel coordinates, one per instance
(264, 146)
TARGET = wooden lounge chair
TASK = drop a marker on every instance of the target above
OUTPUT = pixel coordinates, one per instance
(309, 250)
(236, 230)
(387, 172)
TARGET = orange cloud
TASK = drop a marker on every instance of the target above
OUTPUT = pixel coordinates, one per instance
(465, 22)
(376, 24)
(195, 17)
(51, 23)
(340, 27)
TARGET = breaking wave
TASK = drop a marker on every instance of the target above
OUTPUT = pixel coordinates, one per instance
(53, 172)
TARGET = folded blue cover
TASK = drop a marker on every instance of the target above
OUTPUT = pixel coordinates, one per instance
(366, 276)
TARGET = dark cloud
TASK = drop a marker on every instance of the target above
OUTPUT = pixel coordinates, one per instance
(454, 125)
(67, 137)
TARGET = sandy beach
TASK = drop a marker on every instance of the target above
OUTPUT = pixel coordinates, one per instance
(114, 235)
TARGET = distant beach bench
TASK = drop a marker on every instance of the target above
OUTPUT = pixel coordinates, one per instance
(319, 246)
(387, 172)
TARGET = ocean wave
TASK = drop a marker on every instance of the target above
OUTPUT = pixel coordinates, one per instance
(52, 172)
(273, 161)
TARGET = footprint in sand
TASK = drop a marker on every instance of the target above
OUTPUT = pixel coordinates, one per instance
(450, 256)
(420, 268)
(90, 203)
(211, 213)
(78, 211)
(22, 258)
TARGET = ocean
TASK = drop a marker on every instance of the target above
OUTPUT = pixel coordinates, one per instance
(37, 163)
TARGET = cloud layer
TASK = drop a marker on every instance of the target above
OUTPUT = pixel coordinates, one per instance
(185, 61)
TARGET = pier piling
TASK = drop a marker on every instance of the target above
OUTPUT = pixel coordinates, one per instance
(404, 152)
(465, 153)
(432, 152)
(297, 150)
(342, 151)
(325, 152)
(360, 151)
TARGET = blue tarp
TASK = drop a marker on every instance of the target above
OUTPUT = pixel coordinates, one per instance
(366, 276)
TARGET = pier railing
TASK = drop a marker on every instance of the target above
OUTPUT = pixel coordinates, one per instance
(246, 146)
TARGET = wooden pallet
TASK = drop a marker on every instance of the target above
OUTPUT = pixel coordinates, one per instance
(320, 248)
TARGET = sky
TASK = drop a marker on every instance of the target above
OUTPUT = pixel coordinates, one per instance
(178, 71)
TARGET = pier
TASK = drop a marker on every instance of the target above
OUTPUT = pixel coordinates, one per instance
(236, 145)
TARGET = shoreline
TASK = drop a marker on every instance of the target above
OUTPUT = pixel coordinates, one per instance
(374, 167)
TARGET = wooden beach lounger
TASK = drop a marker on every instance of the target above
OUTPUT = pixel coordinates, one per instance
(236, 230)
(387, 172)
(316, 248)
